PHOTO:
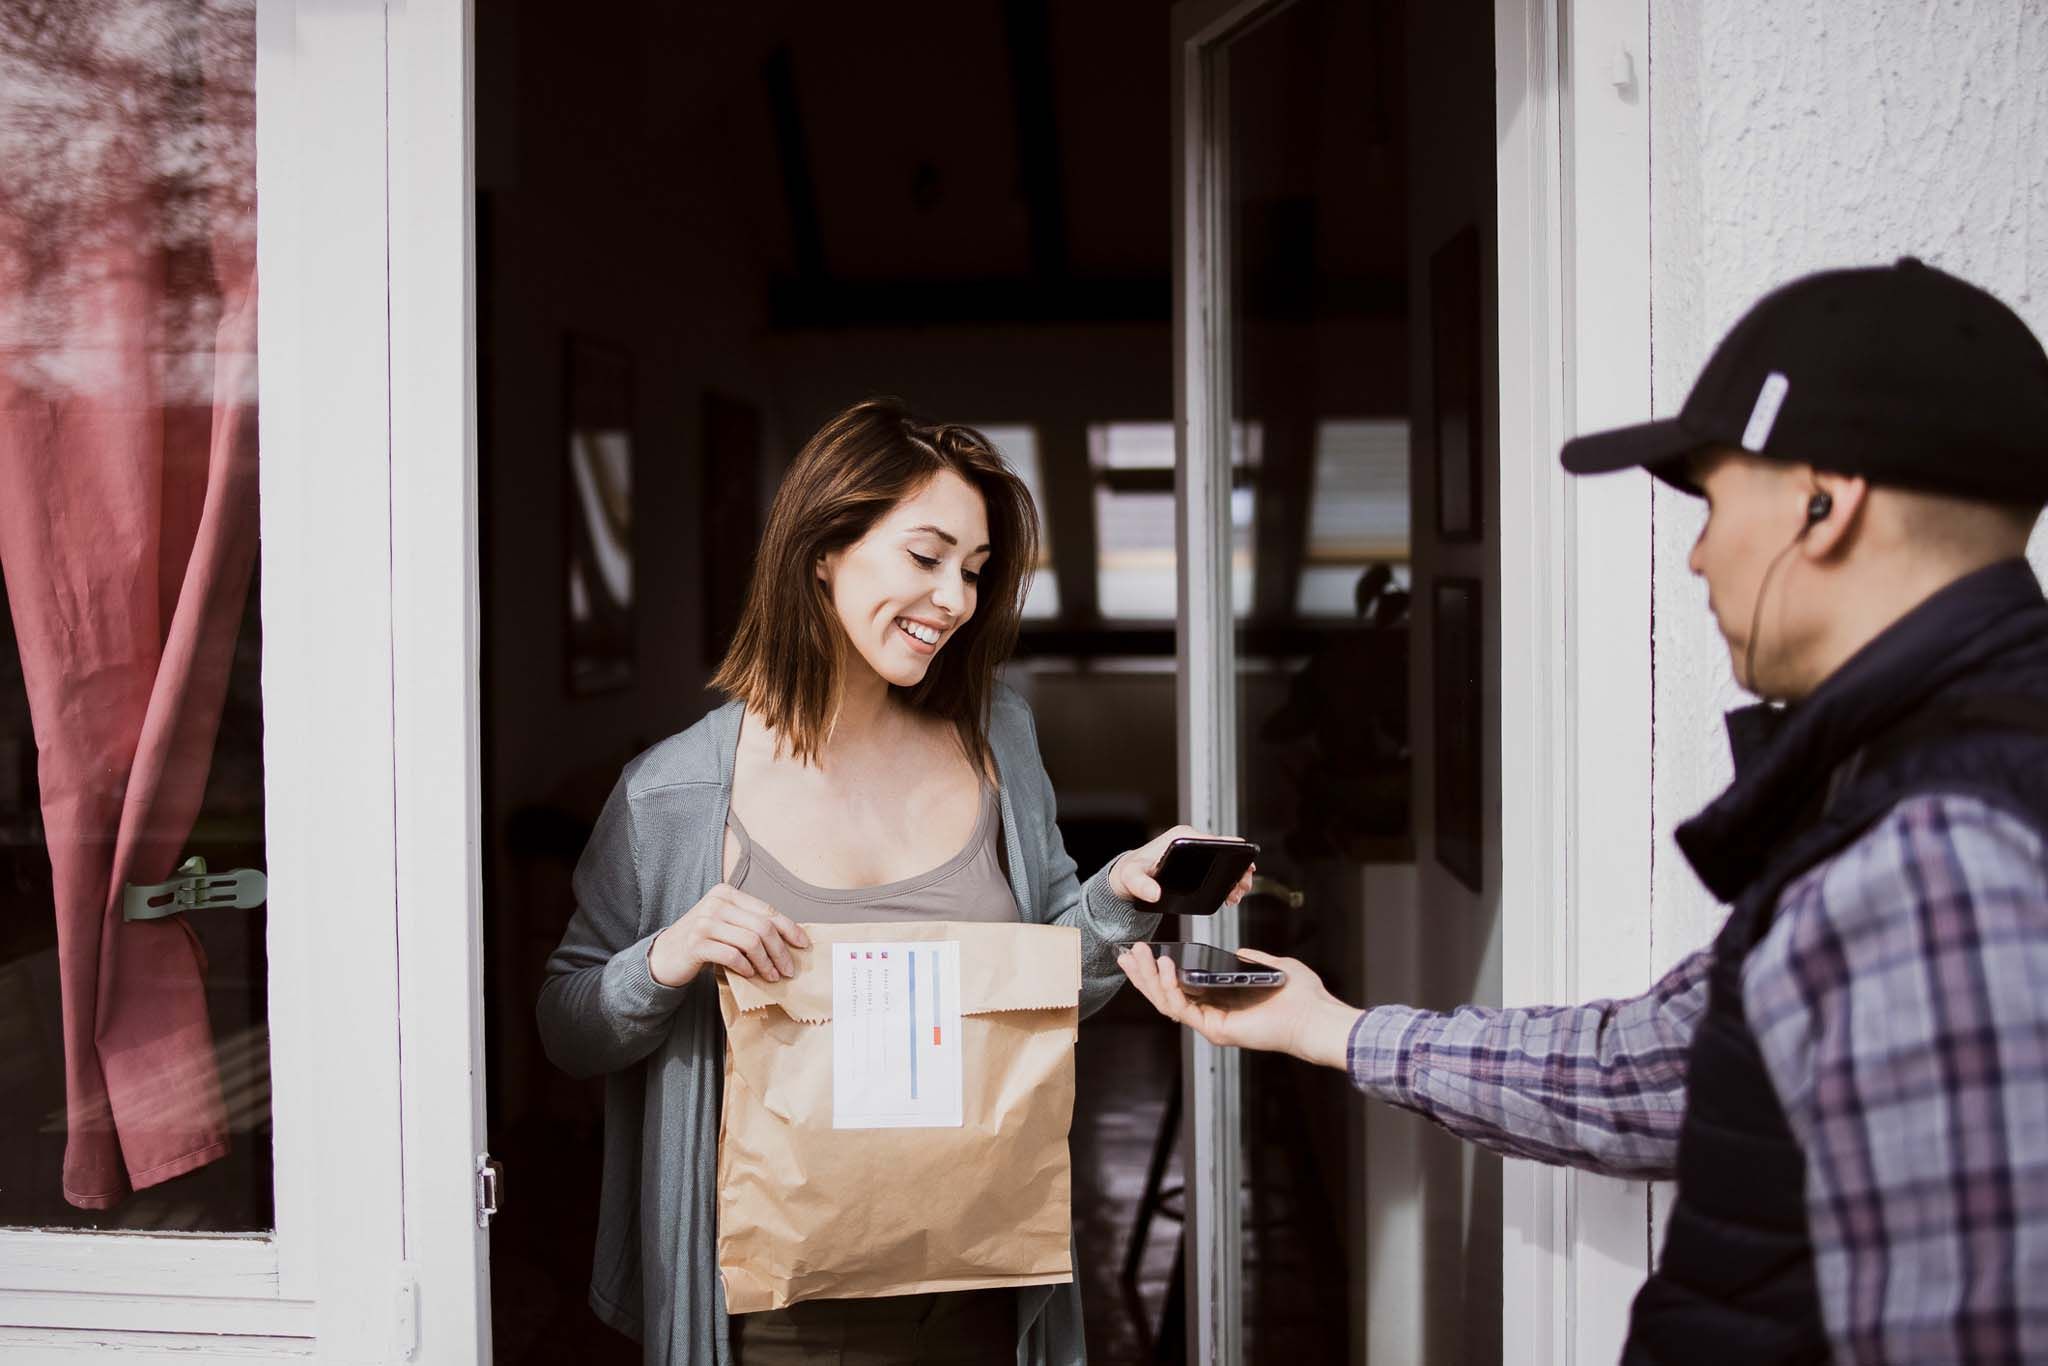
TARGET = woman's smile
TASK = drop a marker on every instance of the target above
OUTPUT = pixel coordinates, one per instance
(923, 638)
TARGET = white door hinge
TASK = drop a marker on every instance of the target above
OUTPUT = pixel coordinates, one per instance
(405, 1319)
(490, 1184)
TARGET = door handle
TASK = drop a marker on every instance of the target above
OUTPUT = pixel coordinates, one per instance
(1278, 890)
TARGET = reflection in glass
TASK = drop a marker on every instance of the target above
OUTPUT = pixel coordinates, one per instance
(134, 1058)
(1018, 444)
(1358, 513)
(1319, 367)
(1134, 528)
(603, 622)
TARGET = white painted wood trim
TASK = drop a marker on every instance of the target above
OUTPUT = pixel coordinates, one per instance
(294, 1025)
(147, 1264)
(370, 738)
(1612, 835)
(1206, 636)
(1577, 837)
(321, 187)
(435, 674)
(211, 1314)
(1536, 1226)
(51, 1347)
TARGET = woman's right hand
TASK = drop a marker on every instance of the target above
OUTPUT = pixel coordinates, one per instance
(739, 933)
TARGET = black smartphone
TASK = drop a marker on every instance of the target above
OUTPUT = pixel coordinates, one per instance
(1204, 967)
(1197, 874)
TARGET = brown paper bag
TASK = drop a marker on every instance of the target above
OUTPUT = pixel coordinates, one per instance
(807, 1210)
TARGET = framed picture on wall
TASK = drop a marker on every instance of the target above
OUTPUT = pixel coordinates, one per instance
(1457, 659)
(730, 529)
(599, 590)
(1454, 330)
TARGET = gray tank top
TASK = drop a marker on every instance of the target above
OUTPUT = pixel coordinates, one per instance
(968, 886)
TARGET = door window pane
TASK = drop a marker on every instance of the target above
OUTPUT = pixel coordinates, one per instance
(1358, 513)
(1134, 535)
(1018, 445)
(1319, 361)
(134, 1056)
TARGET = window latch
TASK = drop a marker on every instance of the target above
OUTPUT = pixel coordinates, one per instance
(195, 889)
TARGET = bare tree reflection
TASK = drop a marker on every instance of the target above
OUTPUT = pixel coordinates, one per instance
(127, 181)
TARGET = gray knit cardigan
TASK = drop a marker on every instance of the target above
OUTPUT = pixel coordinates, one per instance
(657, 848)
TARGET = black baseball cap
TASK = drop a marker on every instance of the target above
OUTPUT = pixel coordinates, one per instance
(1902, 374)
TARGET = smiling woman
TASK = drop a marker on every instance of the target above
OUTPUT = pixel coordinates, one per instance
(908, 527)
(867, 768)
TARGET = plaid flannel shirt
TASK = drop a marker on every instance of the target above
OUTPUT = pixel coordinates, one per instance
(1900, 1000)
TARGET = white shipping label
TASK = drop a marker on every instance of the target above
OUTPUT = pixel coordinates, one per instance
(896, 1036)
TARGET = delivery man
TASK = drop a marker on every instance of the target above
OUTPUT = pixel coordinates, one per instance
(1851, 1084)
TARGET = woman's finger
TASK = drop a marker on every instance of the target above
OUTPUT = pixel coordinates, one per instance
(748, 941)
(789, 930)
(1243, 888)
(758, 920)
(725, 956)
(752, 926)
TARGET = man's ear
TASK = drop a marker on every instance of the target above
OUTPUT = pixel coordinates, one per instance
(1832, 533)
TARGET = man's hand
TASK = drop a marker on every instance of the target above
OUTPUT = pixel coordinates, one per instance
(1299, 1017)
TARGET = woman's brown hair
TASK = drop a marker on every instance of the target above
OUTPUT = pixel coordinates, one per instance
(785, 657)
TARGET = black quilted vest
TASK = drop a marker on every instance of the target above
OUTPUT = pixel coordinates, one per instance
(1952, 698)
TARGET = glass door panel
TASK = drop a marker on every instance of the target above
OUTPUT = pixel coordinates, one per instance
(134, 1043)
(1308, 368)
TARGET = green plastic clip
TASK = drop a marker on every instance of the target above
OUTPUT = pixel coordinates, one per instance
(195, 889)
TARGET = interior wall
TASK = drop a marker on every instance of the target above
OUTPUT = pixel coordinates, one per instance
(596, 143)
(1447, 935)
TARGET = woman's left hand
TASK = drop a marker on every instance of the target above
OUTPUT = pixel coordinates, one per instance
(1131, 876)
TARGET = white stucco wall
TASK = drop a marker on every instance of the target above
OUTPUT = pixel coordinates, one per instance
(1787, 136)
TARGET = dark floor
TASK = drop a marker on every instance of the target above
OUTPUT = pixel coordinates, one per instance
(1124, 1068)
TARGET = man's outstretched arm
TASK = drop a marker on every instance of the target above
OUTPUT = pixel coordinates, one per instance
(1599, 1086)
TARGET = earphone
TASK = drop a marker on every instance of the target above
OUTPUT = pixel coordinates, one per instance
(1818, 508)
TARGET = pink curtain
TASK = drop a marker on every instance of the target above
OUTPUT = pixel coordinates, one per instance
(127, 538)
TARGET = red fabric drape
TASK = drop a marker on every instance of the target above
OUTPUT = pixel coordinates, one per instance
(127, 538)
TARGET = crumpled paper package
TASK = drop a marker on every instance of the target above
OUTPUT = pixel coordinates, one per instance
(807, 1211)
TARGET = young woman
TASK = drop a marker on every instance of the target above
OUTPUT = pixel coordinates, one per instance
(867, 767)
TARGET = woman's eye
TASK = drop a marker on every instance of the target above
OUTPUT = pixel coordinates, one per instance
(925, 561)
(970, 575)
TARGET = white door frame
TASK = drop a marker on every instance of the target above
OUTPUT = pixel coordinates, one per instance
(1576, 834)
(1573, 237)
(436, 671)
(366, 432)
(1206, 639)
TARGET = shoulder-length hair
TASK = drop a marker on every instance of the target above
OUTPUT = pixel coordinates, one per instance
(785, 656)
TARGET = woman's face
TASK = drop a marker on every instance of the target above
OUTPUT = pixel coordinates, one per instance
(906, 587)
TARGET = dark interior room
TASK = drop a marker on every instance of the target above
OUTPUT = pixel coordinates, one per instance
(701, 230)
